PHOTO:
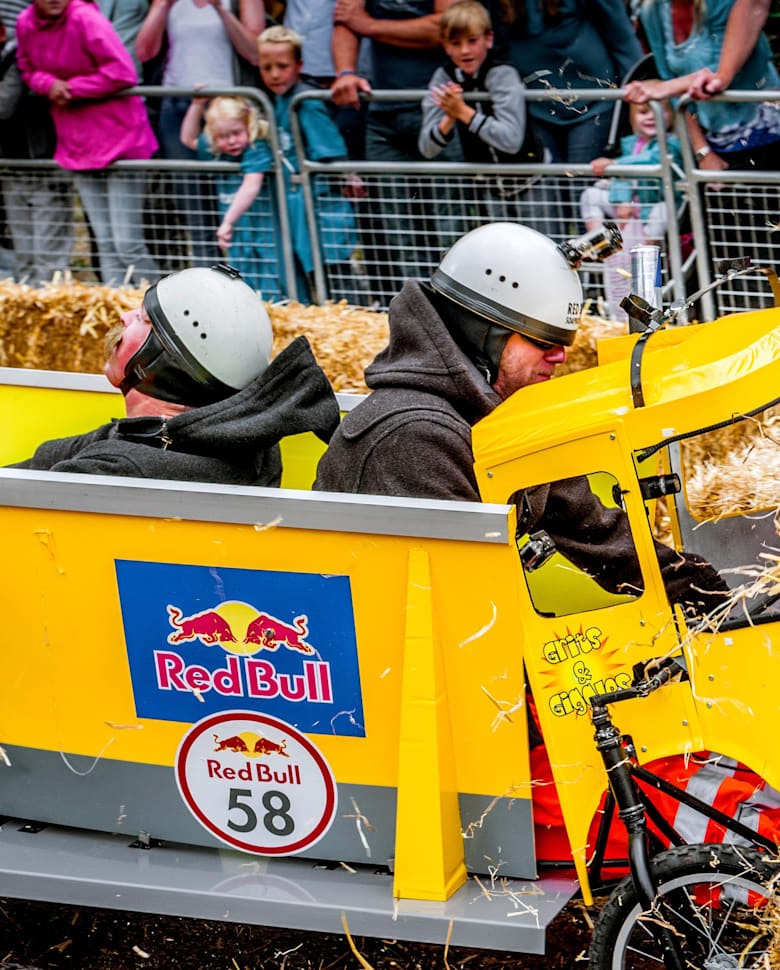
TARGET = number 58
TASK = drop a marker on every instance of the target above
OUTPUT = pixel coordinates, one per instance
(276, 819)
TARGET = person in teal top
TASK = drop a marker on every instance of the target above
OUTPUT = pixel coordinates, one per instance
(281, 62)
(702, 49)
(570, 44)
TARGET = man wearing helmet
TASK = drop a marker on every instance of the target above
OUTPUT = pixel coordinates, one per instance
(497, 316)
(204, 400)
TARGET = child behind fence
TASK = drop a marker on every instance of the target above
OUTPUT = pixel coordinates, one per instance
(233, 131)
(493, 130)
(281, 63)
(637, 204)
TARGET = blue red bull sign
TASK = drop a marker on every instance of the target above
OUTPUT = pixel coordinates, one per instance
(202, 640)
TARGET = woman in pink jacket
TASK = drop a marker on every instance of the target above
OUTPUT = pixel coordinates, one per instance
(70, 53)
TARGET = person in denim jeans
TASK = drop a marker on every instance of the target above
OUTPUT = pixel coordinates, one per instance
(39, 209)
(70, 53)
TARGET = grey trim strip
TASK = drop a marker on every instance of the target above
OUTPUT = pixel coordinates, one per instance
(286, 508)
(72, 381)
(82, 868)
(60, 380)
(499, 313)
(349, 401)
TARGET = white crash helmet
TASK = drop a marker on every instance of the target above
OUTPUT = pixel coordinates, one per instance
(516, 277)
(210, 336)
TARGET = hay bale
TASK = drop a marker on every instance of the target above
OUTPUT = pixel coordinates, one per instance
(582, 353)
(743, 476)
(345, 339)
(61, 326)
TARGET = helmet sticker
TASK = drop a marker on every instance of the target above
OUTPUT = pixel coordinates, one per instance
(573, 314)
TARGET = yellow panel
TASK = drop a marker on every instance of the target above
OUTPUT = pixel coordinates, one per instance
(30, 415)
(429, 857)
(570, 657)
(734, 678)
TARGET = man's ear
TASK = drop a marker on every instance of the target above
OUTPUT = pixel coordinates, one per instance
(489, 36)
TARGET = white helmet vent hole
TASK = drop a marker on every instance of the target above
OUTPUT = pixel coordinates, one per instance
(203, 336)
(515, 285)
(502, 279)
(186, 313)
(488, 272)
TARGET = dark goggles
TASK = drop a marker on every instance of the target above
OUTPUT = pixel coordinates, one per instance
(541, 344)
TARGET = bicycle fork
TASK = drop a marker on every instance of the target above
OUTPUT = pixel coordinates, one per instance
(631, 811)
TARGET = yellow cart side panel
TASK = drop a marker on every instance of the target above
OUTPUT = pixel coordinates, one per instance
(70, 688)
(31, 415)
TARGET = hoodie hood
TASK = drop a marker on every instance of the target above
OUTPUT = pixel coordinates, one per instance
(233, 442)
(422, 355)
(291, 396)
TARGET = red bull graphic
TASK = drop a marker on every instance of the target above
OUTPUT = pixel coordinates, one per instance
(255, 678)
(208, 627)
(200, 639)
(270, 634)
(251, 744)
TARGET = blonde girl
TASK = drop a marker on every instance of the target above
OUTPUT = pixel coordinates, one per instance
(233, 131)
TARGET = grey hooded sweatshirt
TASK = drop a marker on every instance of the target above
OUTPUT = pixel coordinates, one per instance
(412, 436)
(232, 442)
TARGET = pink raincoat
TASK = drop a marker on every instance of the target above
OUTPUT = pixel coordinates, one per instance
(82, 48)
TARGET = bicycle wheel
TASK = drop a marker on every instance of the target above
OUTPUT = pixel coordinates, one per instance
(713, 898)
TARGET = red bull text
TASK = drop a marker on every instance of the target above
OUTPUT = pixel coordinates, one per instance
(252, 678)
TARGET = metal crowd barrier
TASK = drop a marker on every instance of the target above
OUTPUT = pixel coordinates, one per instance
(410, 213)
(371, 225)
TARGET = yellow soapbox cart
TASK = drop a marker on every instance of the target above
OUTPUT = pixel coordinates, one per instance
(214, 696)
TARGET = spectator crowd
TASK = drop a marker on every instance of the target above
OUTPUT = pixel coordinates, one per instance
(64, 63)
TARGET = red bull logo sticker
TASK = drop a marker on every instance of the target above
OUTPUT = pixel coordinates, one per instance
(282, 643)
(256, 783)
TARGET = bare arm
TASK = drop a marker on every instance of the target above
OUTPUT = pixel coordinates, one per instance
(245, 196)
(150, 36)
(640, 92)
(698, 141)
(243, 32)
(413, 33)
(745, 23)
(191, 123)
(345, 45)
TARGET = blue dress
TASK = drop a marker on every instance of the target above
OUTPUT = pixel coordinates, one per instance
(335, 218)
(254, 245)
(647, 192)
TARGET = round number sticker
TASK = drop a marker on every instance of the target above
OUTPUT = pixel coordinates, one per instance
(256, 783)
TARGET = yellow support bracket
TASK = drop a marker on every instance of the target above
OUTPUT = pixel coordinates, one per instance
(429, 861)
